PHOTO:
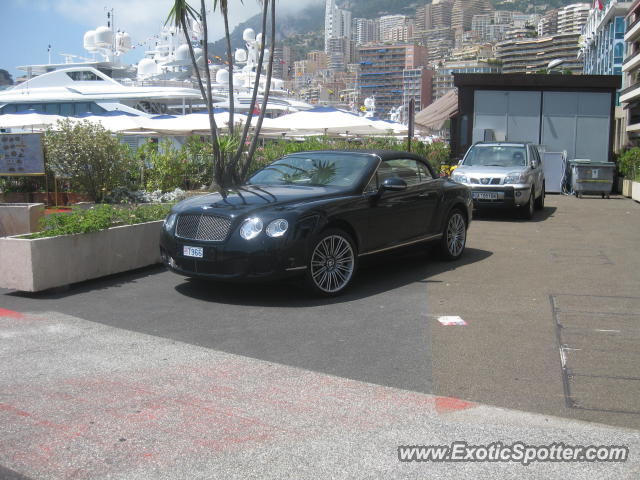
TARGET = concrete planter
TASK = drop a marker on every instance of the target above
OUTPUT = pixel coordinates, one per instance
(626, 187)
(32, 265)
(635, 191)
(19, 218)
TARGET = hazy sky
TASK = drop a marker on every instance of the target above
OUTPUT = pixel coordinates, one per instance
(27, 27)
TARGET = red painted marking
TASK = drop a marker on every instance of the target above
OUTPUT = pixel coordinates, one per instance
(17, 411)
(450, 404)
(10, 313)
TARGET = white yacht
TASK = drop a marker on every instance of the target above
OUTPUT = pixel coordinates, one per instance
(160, 83)
(80, 90)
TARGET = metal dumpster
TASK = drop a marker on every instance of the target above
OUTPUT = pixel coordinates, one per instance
(589, 177)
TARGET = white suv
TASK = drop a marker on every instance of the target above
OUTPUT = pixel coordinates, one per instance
(503, 174)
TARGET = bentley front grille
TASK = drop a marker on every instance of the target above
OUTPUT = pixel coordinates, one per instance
(203, 227)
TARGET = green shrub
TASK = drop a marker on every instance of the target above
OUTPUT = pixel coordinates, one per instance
(629, 163)
(94, 160)
(99, 218)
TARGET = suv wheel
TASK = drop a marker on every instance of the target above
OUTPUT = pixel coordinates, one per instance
(529, 208)
(540, 199)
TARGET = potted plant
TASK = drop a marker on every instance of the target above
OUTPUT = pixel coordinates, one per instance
(82, 245)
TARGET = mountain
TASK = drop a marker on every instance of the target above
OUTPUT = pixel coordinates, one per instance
(303, 31)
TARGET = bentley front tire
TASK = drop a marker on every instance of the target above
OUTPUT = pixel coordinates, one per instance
(332, 263)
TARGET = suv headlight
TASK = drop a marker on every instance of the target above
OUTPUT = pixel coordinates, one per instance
(460, 178)
(251, 228)
(515, 178)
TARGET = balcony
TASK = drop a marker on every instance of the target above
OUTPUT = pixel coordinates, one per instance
(633, 31)
(632, 62)
(631, 93)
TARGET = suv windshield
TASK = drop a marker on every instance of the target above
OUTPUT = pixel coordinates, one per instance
(335, 170)
(496, 156)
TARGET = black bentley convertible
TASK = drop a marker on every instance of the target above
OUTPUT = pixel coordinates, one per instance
(315, 214)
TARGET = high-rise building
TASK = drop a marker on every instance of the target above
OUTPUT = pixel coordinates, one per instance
(439, 43)
(462, 13)
(529, 55)
(388, 23)
(572, 18)
(365, 30)
(548, 24)
(630, 96)
(381, 73)
(434, 15)
(337, 25)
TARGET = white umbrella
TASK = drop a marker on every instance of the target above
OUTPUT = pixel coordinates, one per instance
(28, 120)
(324, 120)
(193, 123)
(115, 123)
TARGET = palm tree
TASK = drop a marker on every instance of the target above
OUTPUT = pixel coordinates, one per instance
(228, 169)
(179, 15)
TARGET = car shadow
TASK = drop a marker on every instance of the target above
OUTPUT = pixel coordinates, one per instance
(511, 215)
(376, 275)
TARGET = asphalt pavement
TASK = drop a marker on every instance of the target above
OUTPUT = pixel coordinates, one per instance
(150, 375)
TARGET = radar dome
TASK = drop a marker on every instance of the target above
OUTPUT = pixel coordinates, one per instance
(241, 55)
(222, 76)
(182, 53)
(90, 41)
(249, 35)
(103, 37)
(259, 39)
(123, 42)
(147, 67)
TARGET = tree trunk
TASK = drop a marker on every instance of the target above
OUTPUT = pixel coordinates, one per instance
(254, 141)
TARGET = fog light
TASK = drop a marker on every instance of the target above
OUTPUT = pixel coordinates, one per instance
(518, 194)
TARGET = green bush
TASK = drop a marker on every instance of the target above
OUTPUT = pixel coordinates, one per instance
(99, 218)
(629, 163)
(94, 160)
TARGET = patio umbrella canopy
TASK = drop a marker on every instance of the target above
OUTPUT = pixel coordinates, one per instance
(116, 123)
(28, 119)
(325, 120)
(192, 123)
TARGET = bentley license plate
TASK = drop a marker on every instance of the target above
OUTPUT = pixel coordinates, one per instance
(485, 195)
(196, 252)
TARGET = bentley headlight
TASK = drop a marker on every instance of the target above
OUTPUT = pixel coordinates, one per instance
(277, 228)
(515, 178)
(251, 228)
(460, 178)
(170, 221)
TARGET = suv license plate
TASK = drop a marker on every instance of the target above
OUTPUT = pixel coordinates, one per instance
(196, 252)
(485, 195)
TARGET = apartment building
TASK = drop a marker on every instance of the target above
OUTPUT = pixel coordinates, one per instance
(572, 18)
(434, 15)
(389, 24)
(381, 73)
(365, 30)
(439, 43)
(443, 79)
(463, 11)
(630, 96)
(529, 55)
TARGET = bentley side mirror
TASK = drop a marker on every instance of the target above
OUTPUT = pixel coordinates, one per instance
(534, 164)
(393, 184)
(459, 162)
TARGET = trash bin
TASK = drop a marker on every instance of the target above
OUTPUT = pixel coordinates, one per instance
(589, 177)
